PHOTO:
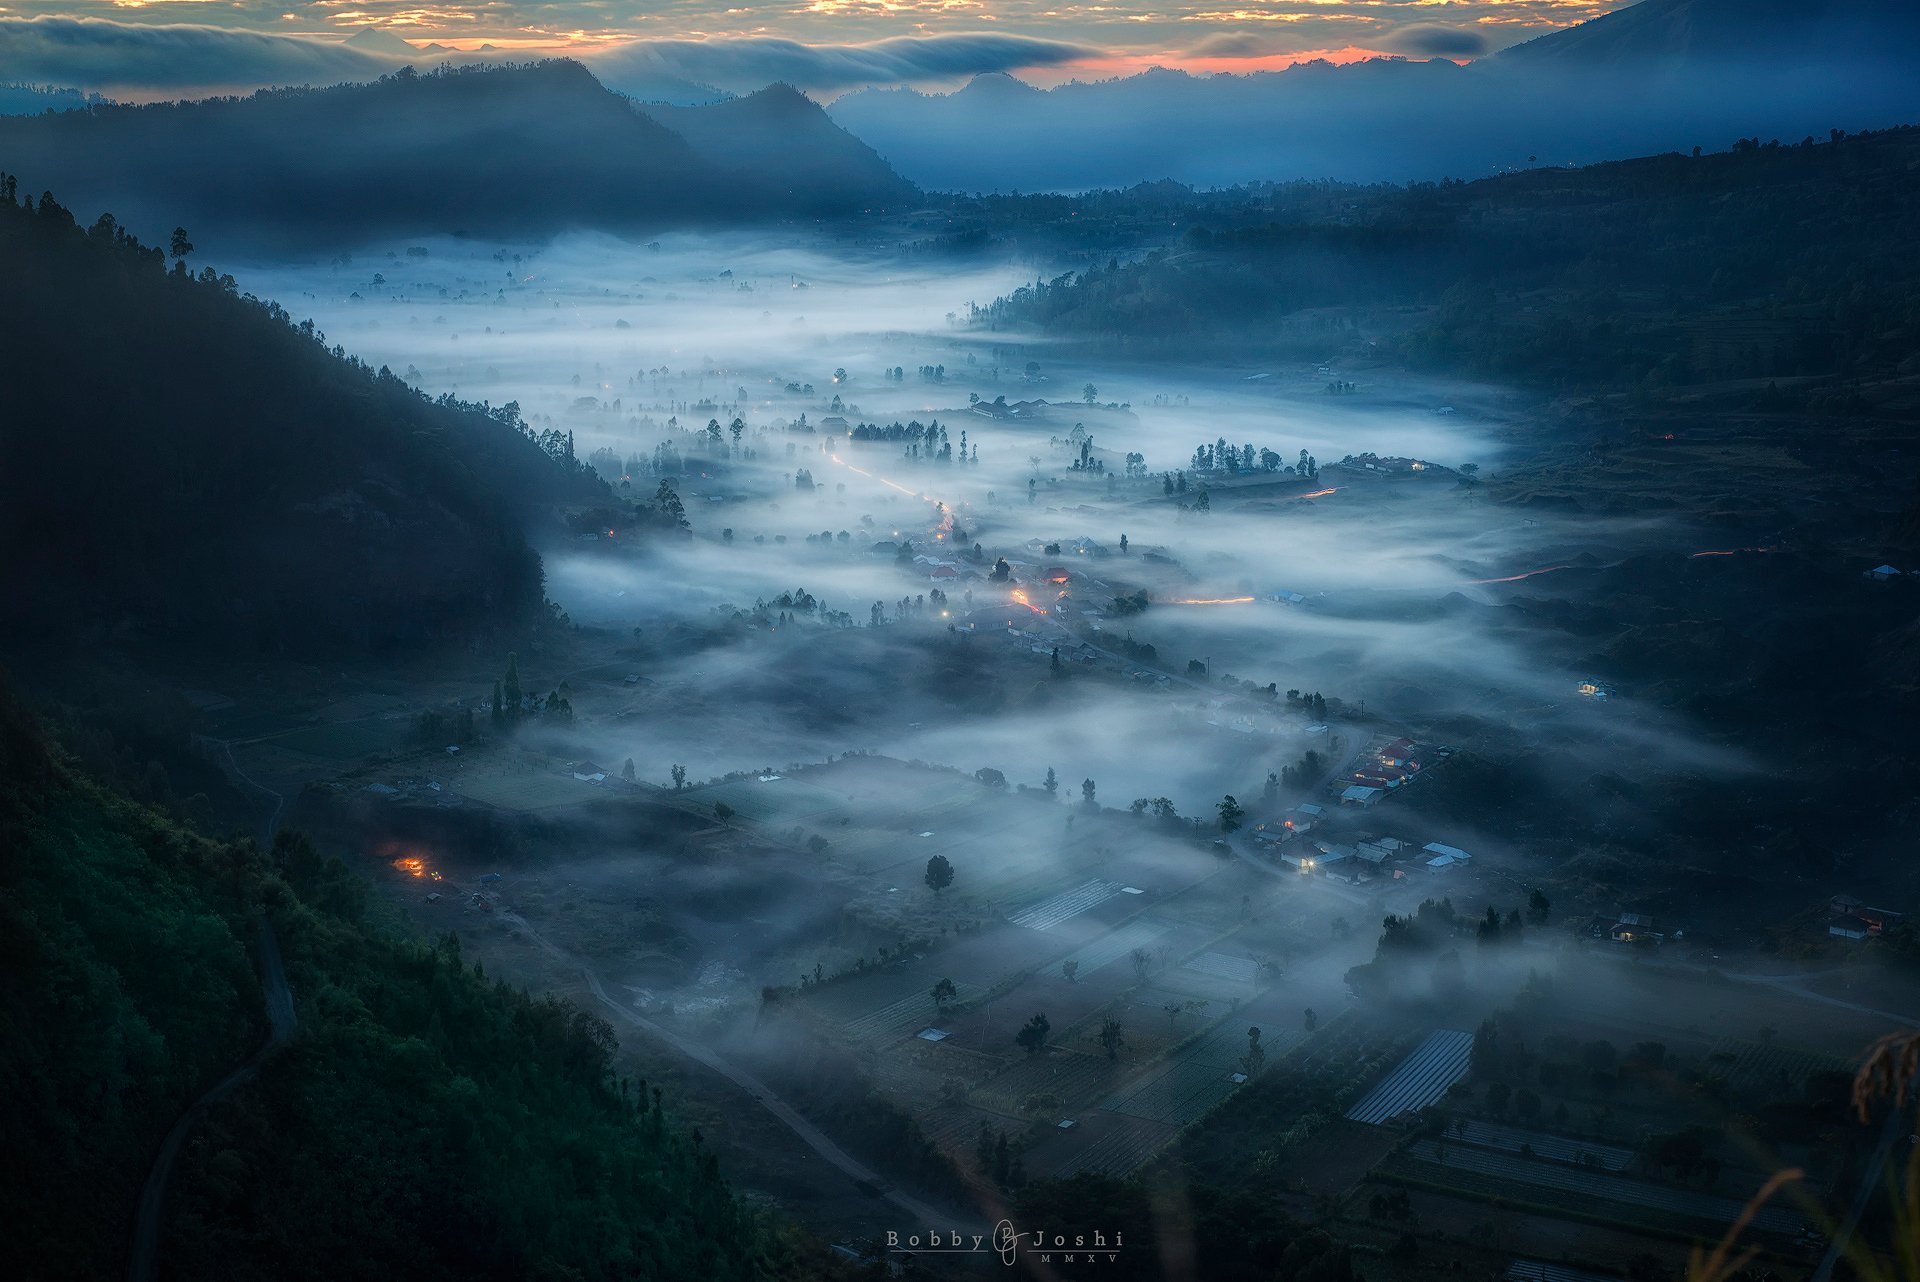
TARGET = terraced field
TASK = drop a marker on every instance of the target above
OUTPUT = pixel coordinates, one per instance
(1766, 1066)
(909, 1014)
(1067, 1075)
(1055, 909)
(1492, 1174)
(1552, 1148)
(1421, 1079)
(1129, 1142)
(1226, 966)
(1176, 1093)
(1115, 944)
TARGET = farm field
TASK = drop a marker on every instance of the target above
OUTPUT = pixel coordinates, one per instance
(1424, 1076)
(1486, 1172)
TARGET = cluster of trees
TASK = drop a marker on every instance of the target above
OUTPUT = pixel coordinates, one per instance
(928, 440)
(1222, 459)
(511, 705)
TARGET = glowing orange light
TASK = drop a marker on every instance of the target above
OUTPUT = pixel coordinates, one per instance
(412, 865)
(1020, 598)
(1515, 578)
(1320, 494)
(1222, 600)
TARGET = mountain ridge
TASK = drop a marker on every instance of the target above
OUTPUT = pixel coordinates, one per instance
(406, 155)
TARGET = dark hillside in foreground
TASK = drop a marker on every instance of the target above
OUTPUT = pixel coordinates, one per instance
(422, 1123)
(474, 151)
(187, 464)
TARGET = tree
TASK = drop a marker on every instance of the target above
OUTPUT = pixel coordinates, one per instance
(722, 811)
(1090, 393)
(178, 245)
(1142, 963)
(679, 777)
(943, 993)
(1053, 780)
(667, 500)
(1539, 908)
(1070, 970)
(1086, 792)
(1230, 813)
(1485, 1056)
(1032, 1038)
(1256, 1057)
(995, 779)
(939, 873)
(510, 687)
(1312, 1021)
(627, 771)
(1112, 1038)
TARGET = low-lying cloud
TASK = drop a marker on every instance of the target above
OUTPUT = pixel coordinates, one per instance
(1434, 40)
(163, 60)
(753, 63)
(184, 60)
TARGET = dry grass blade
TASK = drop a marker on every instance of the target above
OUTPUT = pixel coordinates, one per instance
(1892, 1064)
(1724, 1263)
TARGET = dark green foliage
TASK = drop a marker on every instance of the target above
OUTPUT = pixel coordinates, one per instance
(191, 462)
(423, 1123)
(939, 873)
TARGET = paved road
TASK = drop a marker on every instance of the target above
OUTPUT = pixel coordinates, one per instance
(281, 1020)
(924, 1216)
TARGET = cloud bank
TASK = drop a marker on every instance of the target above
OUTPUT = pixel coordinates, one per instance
(163, 60)
(1435, 41)
(752, 63)
(173, 60)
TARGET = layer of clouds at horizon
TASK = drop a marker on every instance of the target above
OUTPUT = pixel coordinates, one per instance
(160, 48)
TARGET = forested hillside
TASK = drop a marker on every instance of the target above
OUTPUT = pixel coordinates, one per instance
(186, 462)
(422, 1123)
(1766, 261)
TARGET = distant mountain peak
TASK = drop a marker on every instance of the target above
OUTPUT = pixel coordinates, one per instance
(997, 84)
(382, 41)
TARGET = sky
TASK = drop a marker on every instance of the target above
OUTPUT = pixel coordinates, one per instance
(942, 40)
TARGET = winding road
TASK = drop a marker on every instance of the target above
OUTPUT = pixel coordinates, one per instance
(281, 1021)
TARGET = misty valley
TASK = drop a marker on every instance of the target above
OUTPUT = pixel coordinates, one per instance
(598, 685)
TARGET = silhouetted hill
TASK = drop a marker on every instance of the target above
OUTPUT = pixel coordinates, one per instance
(1766, 34)
(475, 150)
(1661, 75)
(782, 142)
(1766, 262)
(183, 463)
